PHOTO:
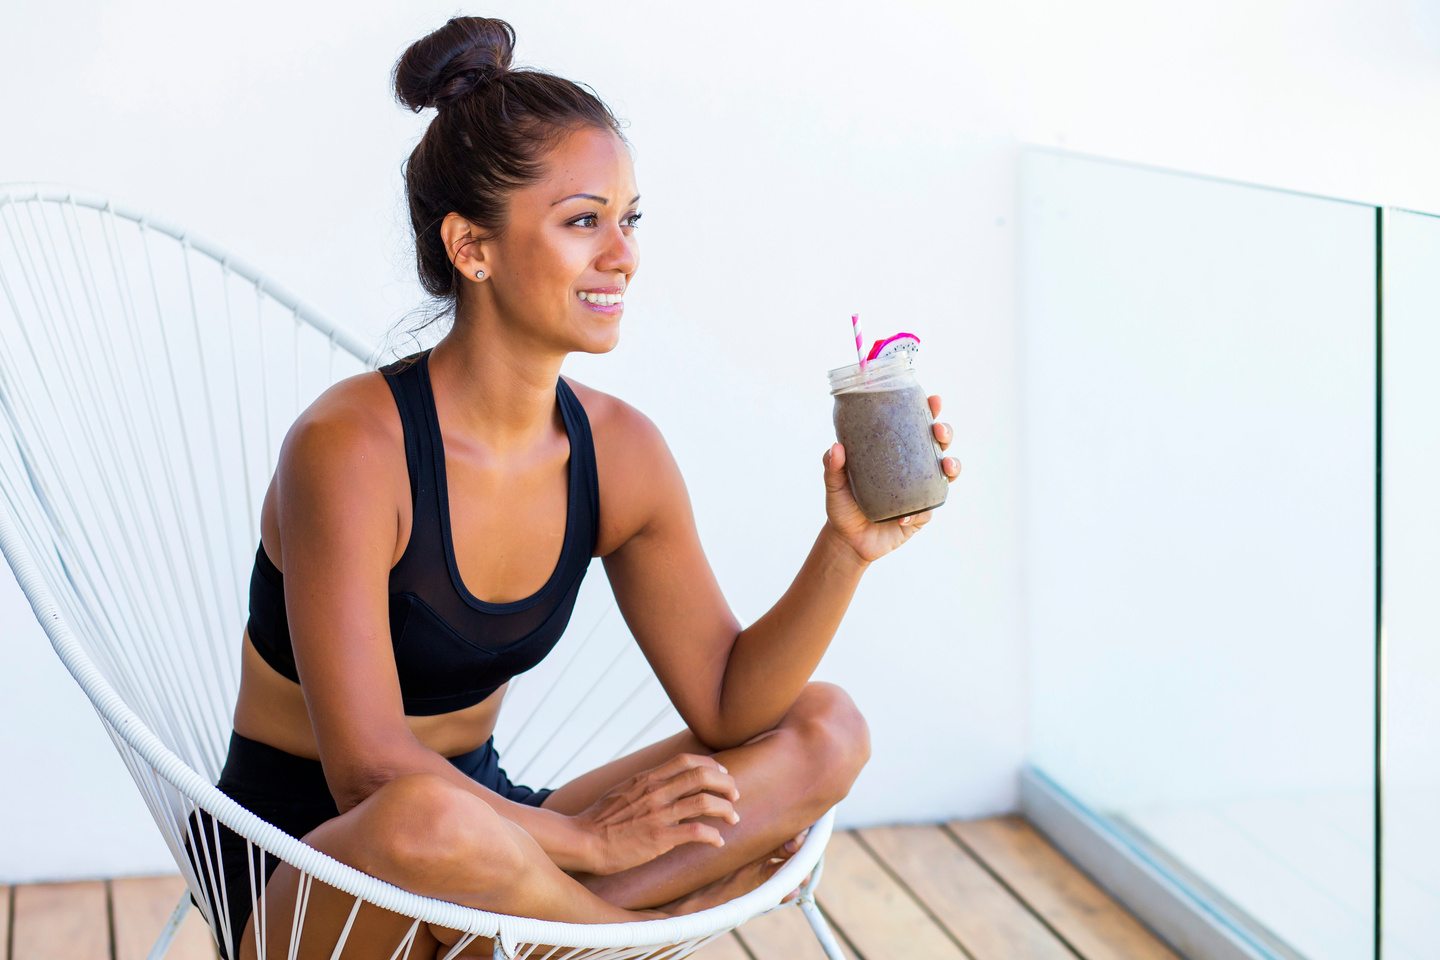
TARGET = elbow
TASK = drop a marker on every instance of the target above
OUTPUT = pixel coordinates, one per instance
(723, 729)
(354, 783)
(357, 766)
(718, 735)
(712, 730)
(716, 738)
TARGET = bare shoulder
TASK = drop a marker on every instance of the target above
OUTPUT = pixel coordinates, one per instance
(639, 479)
(344, 455)
(623, 429)
(361, 407)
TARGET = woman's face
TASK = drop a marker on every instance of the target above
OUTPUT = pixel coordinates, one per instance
(568, 252)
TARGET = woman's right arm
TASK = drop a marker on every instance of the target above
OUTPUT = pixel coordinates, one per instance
(339, 529)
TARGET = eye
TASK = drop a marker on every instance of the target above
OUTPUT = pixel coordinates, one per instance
(589, 220)
(633, 220)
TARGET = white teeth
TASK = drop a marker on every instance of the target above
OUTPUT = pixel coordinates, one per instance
(603, 299)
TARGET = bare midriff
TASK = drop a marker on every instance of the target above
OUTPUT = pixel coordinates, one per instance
(271, 709)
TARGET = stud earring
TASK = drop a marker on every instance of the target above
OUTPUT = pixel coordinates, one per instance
(479, 274)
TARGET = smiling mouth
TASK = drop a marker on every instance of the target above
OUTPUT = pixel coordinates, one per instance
(601, 299)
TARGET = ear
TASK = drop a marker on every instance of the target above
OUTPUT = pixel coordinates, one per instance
(464, 246)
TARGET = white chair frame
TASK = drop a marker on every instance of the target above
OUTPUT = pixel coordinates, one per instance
(163, 681)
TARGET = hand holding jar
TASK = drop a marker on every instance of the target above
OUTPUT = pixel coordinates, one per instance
(888, 463)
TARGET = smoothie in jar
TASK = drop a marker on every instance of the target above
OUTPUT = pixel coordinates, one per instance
(891, 456)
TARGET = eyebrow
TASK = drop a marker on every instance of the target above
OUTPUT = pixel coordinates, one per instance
(589, 196)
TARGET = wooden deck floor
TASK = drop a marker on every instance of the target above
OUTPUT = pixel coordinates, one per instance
(977, 889)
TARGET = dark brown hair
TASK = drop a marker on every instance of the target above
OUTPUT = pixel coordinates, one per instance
(491, 130)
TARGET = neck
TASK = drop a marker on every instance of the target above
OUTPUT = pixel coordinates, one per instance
(501, 391)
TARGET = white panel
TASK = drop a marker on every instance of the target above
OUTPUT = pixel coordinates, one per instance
(1411, 470)
(1199, 424)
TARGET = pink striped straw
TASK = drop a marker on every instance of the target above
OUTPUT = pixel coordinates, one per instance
(859, 343)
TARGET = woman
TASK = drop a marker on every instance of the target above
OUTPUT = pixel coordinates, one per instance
(424, 537)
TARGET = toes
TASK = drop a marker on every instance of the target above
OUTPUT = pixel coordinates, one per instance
(785, 851)
(779, 853)
(790, 847)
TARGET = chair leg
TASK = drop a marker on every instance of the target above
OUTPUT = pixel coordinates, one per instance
(172, 927)
(821, 928)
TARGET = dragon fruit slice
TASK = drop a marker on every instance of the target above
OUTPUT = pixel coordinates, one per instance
(906, 343)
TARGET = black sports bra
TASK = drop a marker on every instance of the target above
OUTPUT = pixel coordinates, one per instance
(452, 650)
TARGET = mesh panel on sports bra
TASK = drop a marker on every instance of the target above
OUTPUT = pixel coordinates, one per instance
(452, 649)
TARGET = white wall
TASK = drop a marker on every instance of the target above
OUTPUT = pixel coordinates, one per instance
(799, 161)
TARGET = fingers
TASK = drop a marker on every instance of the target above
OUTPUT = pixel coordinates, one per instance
(934, 401)
(835, 478)
(698, 787)
(694, 831)
(944, 433)
(689, 785)
(682, 762)
(950, 467)
(688, 773)
(704, 805)
(701, 784)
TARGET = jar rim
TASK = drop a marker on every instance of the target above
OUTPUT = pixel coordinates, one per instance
(850, 377)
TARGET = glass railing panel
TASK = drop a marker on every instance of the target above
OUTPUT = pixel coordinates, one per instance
(1199, 385)
(1411, 471)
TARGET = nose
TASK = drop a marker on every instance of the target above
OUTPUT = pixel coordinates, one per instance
(619, 254)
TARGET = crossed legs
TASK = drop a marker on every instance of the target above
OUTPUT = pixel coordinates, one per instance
(424, 835)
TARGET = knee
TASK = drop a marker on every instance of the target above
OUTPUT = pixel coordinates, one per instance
(422, 826)
(835, 736)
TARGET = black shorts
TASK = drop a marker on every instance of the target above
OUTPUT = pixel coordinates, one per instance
(290, 792)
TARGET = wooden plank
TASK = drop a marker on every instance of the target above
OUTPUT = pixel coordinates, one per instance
(722, 948)
(874, 912)
(4, 923)
(987, 920)
(785, 934)
(61, 921)
(141, 905)
(1096, 926)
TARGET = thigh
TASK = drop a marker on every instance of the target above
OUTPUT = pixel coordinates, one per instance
(323, 911)
(314, 914)
(577, 795)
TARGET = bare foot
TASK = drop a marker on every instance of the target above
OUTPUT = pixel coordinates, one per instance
(724, 890)
(735, 884)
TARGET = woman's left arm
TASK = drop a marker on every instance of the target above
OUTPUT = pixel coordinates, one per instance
(728, 684)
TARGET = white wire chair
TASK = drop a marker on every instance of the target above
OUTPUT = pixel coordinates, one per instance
(146, 379)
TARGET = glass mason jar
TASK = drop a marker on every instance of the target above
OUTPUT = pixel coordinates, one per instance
(883, 419)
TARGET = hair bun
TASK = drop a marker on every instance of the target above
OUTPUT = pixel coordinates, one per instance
(450, 63)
